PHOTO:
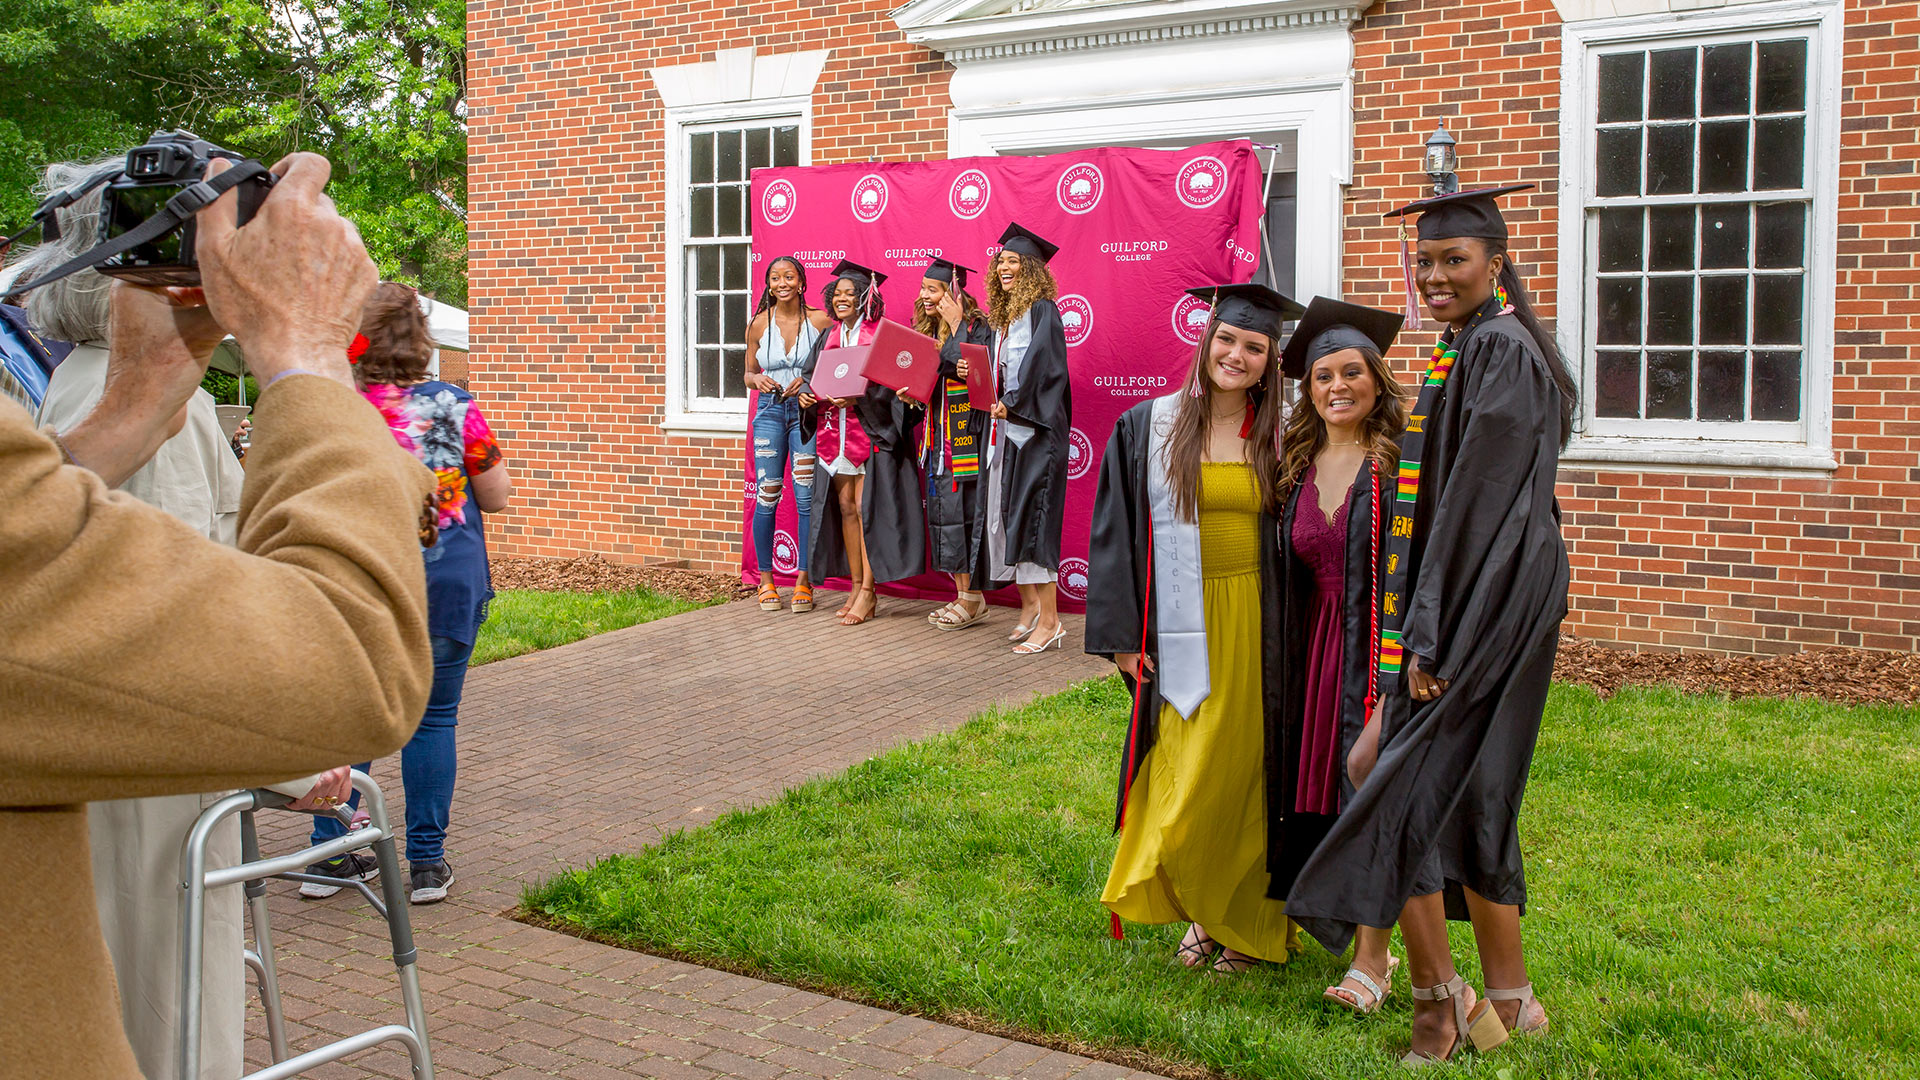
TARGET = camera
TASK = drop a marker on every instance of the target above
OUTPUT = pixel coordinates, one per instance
(155, 172)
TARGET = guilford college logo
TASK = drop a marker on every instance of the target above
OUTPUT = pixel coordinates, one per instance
(1190, 317)
(778, 201)
(1079, 188)
(969, 195)
(1076, 318)
(870, 198)
(1201, 182)
(1073, 578)
(1079, 453)
(786, 552)
(904, 360)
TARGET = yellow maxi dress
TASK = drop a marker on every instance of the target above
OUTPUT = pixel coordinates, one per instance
(1194, 846)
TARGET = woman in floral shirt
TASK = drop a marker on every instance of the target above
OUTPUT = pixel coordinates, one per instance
(443, 427)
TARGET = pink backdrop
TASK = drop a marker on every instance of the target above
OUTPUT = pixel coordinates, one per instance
(1135, 227)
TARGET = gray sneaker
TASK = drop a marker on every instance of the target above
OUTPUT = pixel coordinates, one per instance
(430, 881)
(353, 866)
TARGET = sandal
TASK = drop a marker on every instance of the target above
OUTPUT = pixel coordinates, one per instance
(1523, 995)
(956, 616)
(1196, 949)
(1028, 648)
(1371, 995)
(769, 598)
(1230, 962)
(802, 599)
(1473, 1021)
(1020, 630)
(849, 618)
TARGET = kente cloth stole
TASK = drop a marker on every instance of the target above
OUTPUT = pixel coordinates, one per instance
(964, 449)
(1393, 589)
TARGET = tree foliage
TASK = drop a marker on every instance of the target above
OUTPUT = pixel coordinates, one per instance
(378, 87)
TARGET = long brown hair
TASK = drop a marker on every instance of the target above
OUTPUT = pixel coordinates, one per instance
(398, 344)
(928, 322)
(1306, 432)
(1033, 282)
(1193, 422)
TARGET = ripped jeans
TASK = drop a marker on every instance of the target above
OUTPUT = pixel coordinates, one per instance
(776, 439)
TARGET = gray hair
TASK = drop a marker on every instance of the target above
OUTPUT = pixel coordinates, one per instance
(73, 308)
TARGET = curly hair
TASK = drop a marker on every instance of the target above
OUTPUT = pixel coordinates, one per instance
(1306, 431)
(1193, 423)
(1033, 282)
(398, 345)
(928, 322)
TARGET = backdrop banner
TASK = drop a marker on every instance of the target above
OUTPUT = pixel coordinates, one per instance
(1135, 227)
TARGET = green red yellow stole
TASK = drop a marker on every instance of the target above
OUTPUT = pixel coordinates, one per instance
(1393, 590)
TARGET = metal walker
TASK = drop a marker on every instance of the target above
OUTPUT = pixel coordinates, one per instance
(252, 873)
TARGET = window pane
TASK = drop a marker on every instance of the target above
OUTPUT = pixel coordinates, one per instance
(1617, 162)
(706, 268)
(703, 211)
(1620, 239)
(709, 373)
(759, 148)
(1776, 386)
(1723, 310)
(736, 312)
(1619, 311)
(1670, 385)
(1669, 312)
(1670, 90)
(732, 207)
(707, 329)
(1779, 153)
(1723, 156)
(1776, 309)
(786, 146)
(1670, 159)
(1725, 79)
(727, 153)
(1622, 77)
(1782, 76)
(1670, 238)
(700, 169)
(1723, 386)
(735, 262)
(1781, 239)
(1618, 376)
(734, 372)
(1723, 236)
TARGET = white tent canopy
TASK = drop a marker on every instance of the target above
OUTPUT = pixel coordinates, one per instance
(446, 325)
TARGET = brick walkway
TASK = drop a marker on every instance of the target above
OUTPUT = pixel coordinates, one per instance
(600, 747)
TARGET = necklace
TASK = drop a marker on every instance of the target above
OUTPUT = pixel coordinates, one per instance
(1332, 443)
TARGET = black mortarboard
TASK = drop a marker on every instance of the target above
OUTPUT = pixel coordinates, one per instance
(948, 271)
(1463, 213)
(1332, 325)
(1249, 307)
(863, 276)
(1026, 243)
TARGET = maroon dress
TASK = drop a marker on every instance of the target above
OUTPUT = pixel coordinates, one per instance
(1322, 547)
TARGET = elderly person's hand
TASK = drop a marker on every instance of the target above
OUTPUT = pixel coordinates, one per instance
(332, 788)
(290, 285)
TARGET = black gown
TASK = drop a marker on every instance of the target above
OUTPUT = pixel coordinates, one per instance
(1119, 561)
(1486, 593)
(1033, 491)
(893, 521)
(1293, 835)
(951, 505)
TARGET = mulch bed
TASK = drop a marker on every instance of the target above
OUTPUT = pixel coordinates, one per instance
(594, 573)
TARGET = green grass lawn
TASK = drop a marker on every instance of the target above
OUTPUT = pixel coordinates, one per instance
(527, 620)
(1718, 888)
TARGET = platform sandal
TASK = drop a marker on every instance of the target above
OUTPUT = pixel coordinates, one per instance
(1523, 995)
(955, 616)
(802, 599)
(1473, 1021)
(769, 598)
(1370, 996)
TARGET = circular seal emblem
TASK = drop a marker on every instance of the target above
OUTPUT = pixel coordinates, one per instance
(1190, 316)
(1079, 188)
(786, 552)
(869, 198)
(904, 360)
(777, 202)
(1073, 578)
(1079, 453)
(969, 195)
(840, 371)
(1201, 182)
(1076, 318)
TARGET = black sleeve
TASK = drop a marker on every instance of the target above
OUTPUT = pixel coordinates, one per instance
(1044, 399)
(810, 418)
(973, 332)
(1115, 568)
(887, 419)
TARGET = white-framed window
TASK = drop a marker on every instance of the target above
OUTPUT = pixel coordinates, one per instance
(1698, 206)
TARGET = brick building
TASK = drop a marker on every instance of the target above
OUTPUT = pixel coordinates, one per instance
(1723, 235)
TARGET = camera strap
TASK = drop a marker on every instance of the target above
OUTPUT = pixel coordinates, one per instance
(189, 201)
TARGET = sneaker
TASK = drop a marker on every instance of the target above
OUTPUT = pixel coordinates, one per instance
(430, 881)
(353, 866)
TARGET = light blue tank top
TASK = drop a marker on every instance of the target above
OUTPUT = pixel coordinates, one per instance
(784, 366)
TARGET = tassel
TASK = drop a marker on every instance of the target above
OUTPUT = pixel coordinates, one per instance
(1118, 934)
(1406, 270)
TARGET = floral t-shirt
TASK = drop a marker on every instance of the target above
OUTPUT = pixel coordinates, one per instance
(440, 424)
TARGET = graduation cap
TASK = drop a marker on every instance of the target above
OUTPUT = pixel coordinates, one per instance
(1332, 325)
(861, 275)
(948, 271)
(1249, 307)
(1463, 213)
(1026, 243)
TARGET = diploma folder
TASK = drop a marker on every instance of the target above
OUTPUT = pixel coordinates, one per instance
(980, 393)
(837, 373)
(903, 360)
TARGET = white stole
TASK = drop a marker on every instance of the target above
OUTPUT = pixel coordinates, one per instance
(1178, 597)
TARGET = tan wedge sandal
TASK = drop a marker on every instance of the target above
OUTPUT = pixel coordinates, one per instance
(1473, 1021)
(1523, 1025)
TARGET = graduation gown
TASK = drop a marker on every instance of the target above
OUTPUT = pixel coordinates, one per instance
(951, 506)
(1120, 615)
(1033, 477)
(1292, 836)
(893, 522)
(1486, 594)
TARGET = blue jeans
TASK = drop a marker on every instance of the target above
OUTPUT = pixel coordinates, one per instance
(776, 438)
(426, 762)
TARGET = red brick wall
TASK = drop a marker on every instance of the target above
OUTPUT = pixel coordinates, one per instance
(567, 235)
